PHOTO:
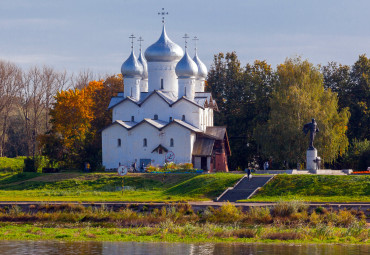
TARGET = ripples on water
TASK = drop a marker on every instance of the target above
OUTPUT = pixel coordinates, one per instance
(58, 248)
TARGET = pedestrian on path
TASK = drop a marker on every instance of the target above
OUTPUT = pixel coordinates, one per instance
(249, 173)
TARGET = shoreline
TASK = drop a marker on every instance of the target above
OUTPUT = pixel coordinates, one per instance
(101, 234)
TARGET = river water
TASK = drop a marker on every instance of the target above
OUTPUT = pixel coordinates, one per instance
(135, 248)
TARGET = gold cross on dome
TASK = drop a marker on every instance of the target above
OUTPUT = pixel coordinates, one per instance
(132, 37)
(186, 42)
(163, 13)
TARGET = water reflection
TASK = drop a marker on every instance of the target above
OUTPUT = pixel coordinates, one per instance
(110, 248)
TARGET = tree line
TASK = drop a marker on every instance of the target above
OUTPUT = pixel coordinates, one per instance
(26, 97)
(51, 113)
(265, 110)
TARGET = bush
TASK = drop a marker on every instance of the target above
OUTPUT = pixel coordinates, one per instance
(321, 210)
(285, 209)
(227, 213)
(346, 218)
(259, 215)
(30, 165)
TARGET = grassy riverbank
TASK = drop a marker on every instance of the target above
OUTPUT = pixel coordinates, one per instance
(285, 222)
(315, 188)
(108, 187)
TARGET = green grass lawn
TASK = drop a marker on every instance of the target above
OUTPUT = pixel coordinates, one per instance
(316, 188)
(108, 187)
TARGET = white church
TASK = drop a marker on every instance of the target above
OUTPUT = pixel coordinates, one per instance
(164, 114)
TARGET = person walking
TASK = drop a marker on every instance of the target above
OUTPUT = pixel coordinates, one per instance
(249, 173)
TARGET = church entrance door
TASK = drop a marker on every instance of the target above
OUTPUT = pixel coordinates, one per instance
(203, 163)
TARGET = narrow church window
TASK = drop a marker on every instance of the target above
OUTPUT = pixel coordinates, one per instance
(183, 118)
(170, 119)
(171, 142)
(155, 116)
(119, 142)
(161, 83)
(132, 118)
(145, 143)
(160, 151)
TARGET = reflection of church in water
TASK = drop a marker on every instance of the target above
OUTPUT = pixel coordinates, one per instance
(164, 114)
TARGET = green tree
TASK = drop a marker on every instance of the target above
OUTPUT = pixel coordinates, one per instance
(242, 95)
(359, 96)
(298, 96)
(353, 87)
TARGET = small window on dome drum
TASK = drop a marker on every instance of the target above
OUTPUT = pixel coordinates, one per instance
(161, 83)
(171, 142)
(155, 116)
(145, 144)
(170, 119)
(119, 142)
(183, 118)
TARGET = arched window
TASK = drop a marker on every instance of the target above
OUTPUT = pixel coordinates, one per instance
(155, 116)
(183, 118)
(170, 119)
(161, 83)
(145, 143)
(119, 142)
(132, 118)
(171, 142)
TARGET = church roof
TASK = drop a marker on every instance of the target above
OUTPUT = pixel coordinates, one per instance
(158, 124)
(203, 147)
(205, 99)
(169, 97)
(216, 131)
(126, 124)
(132, 67)
(186, 125)
(160, 147)
(164, 50)
(186, 67)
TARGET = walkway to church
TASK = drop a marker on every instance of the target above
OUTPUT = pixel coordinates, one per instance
(244, 189)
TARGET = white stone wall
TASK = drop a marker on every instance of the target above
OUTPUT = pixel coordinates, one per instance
(186, 88)
(165, 71)
(132, 144)
(112, 153)
(199, 85)
(125, 110)
(132, 87)
(190, 111)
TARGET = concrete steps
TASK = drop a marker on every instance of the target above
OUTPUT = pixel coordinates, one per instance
(244, 188)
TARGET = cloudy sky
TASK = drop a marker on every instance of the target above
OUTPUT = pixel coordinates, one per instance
(93, 34)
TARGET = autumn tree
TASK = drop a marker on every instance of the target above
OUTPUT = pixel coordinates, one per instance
(298, 96)
(77, 117)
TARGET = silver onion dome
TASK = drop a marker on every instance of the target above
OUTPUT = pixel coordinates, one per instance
(163, 50)
(202, 69)
(132, 67)
(143, 62)
(186, 67)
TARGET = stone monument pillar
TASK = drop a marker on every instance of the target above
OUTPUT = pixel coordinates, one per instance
(311, 155)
